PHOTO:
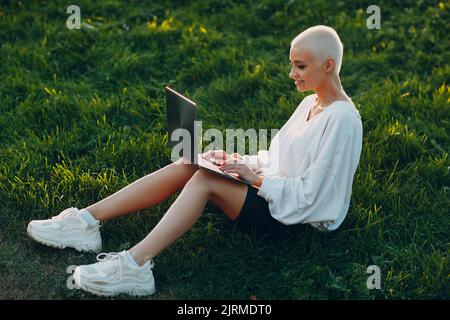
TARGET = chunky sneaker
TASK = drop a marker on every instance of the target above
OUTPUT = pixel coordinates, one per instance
(115, 274)
(68, 229)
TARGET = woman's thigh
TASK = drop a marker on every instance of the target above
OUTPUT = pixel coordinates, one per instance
(224, 193)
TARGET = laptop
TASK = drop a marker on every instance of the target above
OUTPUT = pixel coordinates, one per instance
(181, 114)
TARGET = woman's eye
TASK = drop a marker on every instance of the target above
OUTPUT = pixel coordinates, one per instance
(301, 67)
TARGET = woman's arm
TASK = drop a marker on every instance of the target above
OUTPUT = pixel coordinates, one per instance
(258, 182)
(321, 192)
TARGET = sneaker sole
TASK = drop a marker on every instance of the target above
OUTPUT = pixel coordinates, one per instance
(137, 292)
(56, 245)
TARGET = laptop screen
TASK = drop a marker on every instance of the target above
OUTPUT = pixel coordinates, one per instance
(181, 114)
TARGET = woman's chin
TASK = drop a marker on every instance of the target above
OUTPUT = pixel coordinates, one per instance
(302, 89)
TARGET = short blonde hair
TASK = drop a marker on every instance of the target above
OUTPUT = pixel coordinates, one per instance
(323, 42)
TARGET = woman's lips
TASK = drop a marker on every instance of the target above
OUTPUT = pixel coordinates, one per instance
(299, 82)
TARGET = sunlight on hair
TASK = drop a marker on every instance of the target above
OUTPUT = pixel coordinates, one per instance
(323, 42)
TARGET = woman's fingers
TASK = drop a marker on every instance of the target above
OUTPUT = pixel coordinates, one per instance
(233, 161)
(232, 170)
(220, 154)
(231, 164)
(220, 157)
(207, 155)
(236, 155)
(212, 155)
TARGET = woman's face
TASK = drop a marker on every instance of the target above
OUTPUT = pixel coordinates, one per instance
(306, 72)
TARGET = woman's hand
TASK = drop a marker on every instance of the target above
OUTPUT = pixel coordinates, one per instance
(234, 165)
(219, 156)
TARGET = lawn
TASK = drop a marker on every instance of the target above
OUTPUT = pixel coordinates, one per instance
(82, 114)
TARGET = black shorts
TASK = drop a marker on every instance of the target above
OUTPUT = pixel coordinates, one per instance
(255, 217)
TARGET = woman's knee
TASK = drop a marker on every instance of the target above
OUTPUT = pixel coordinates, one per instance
(183, 168)
(179, 173)
(202, 174)
(202, 177)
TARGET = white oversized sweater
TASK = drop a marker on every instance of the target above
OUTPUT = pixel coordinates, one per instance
(308, 170)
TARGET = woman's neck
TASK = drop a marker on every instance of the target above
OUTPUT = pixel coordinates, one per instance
(331, 90)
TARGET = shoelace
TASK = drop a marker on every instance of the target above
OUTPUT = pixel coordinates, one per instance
(113, 257)
(105, 257)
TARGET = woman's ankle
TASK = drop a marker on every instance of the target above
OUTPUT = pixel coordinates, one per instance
(140, 259)
(87, 216)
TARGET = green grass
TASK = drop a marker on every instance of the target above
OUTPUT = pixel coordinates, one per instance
(82, 114)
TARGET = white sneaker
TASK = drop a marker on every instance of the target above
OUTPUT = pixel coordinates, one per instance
(68, 229)
(115, 274)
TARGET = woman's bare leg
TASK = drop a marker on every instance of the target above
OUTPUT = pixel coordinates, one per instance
(188, 207)
(144, 192)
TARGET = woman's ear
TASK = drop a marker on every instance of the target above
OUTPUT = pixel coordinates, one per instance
(329, 65)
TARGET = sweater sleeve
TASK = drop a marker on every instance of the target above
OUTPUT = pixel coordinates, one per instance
(310, 197)
(258, 161)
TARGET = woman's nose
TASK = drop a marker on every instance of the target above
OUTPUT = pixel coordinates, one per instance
(292, 73)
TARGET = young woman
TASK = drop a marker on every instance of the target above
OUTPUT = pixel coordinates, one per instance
(305, 178)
